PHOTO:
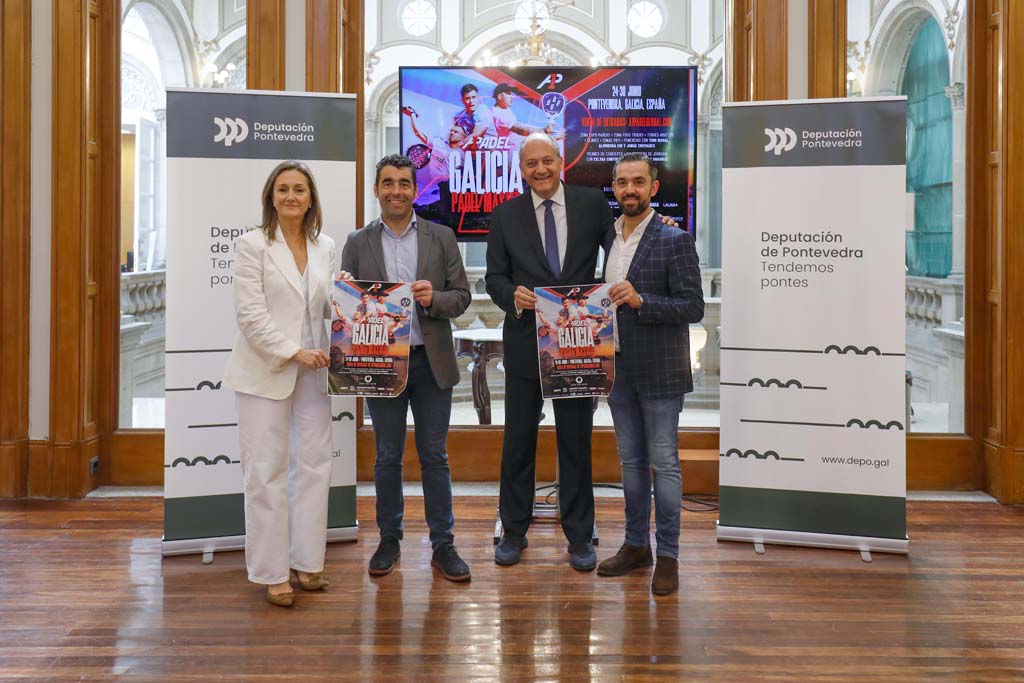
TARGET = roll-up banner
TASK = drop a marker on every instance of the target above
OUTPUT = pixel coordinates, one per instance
(221, 146)
(813, 430)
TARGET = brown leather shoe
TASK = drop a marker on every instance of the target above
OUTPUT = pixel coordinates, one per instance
(628, 558)
(666, 576)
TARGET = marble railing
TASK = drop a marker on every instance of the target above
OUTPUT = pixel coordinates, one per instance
(144, 295)
(934, 302)
(143, 309)
(934, 314)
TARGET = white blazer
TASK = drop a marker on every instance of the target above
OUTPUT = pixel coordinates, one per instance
(269, 310)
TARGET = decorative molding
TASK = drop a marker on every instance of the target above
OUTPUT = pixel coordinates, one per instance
(950, 23)
(503, 15)
(617, 59)
(957, 94)
(449, 59)
(676, 23)
(700, 60)
(717, 95)
(138, 89)
(372, 60)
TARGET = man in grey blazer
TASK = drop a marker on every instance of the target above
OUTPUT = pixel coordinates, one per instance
(401, 247)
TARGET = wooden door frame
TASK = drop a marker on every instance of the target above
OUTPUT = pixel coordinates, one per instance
(15, 241)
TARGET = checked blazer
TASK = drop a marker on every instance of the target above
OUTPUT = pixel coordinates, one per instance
(654, 340)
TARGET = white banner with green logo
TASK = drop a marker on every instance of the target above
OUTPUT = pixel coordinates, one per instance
(813, 423)
(221, 146)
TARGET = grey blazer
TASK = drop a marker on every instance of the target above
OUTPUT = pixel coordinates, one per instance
(437, 260)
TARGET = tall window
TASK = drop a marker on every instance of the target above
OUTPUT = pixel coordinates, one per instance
(164, 44)
(929, 154)
(917, 48)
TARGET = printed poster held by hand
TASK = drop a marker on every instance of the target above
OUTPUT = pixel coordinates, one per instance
(575, 340)
(370, 325)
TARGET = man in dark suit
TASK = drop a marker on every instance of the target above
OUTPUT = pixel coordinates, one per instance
(548, 236)
(657, 292)
(399, 247)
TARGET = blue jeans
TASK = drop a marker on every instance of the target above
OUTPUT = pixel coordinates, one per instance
(431, 412)
(647, 434)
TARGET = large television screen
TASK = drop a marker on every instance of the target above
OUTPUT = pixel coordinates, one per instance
(462, 128)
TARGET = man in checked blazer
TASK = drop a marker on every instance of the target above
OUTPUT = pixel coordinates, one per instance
(657, 291)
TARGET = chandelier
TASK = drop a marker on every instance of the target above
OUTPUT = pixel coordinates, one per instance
(532, 18)
(211, 75)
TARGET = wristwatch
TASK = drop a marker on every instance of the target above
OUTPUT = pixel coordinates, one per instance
(641, 297)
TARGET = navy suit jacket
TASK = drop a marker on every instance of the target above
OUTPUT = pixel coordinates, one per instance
(515, 256)
(654, 340)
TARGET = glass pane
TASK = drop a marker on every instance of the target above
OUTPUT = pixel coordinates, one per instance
(391, 140)
(153, 58)
(918, 49)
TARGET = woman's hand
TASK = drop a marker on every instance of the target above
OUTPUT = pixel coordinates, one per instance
(314, 359)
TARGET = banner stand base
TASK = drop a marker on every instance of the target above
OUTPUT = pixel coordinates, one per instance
(208, 546)
(774, 536)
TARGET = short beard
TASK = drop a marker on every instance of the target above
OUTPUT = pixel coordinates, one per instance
(641, 208)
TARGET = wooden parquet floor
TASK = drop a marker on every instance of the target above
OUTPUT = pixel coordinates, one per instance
(85, 596)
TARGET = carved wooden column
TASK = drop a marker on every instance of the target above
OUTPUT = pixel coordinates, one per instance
(826, 48)
(264, 40)
(757, 50)
(15, 233)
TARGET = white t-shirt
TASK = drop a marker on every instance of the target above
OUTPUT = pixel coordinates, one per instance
(504, 119)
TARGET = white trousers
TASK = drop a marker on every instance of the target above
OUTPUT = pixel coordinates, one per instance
(285, 449)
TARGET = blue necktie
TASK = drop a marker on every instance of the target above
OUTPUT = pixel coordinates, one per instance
(551, 239)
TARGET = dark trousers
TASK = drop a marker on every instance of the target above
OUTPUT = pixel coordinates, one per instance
(574, 420)
(431, 412)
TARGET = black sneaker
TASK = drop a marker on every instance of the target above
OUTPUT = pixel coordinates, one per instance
(451, 566)
(582, 557)
(384, 558)
(508, 550)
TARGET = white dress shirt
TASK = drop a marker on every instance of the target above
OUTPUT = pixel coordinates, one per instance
(620, 257)
(621, 254)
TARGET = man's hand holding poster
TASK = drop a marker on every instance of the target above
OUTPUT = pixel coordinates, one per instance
(370, 324)
(575, 340)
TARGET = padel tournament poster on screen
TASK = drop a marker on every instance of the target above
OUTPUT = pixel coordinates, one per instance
(462, 128)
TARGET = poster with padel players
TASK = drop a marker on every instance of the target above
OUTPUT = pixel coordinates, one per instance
(575, 340)
(370, 325)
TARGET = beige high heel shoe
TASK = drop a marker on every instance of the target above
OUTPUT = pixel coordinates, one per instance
(315, 582)
(280, 599)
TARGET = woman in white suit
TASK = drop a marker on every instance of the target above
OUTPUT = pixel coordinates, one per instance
(278, 368)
